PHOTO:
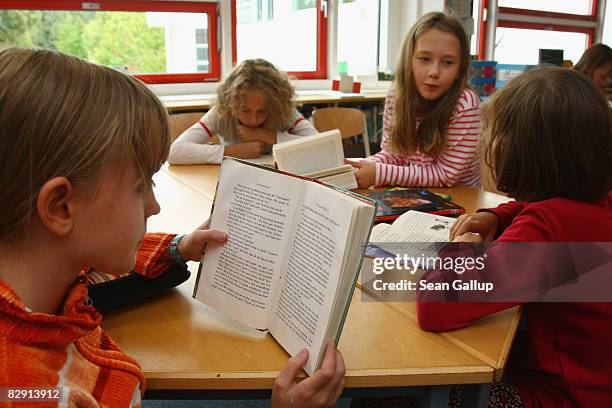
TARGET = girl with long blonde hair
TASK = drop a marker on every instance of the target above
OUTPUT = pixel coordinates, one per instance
(431, 117)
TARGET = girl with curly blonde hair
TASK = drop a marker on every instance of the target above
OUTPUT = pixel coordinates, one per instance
(255, 107)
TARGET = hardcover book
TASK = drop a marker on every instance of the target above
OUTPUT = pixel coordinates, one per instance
(319, 156)
(393, 203)
(292, 257)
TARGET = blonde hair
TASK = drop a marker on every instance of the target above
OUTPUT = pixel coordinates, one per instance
(430, 137)
(62, 116)
(257, 74)
(547, 134)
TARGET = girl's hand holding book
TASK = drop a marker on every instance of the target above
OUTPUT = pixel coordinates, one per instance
(322, 389)
(191, 246)
(365, 172)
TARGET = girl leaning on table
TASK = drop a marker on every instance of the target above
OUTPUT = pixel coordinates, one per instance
(255, 108)
(431, 117)
(547, 139)
(76, 193)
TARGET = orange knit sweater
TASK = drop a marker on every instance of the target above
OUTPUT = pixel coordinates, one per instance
(69, 351)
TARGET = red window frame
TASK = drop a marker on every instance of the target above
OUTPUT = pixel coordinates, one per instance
(321, 67)
(589, 31)
(115, 5)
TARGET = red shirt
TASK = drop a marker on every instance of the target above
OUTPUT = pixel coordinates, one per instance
(567, 356)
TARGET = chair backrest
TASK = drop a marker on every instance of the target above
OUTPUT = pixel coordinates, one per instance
(179, 122)
(350, 121)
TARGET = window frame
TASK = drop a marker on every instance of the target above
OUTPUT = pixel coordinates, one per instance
(562, 22)
(321, 66)
(211, 10)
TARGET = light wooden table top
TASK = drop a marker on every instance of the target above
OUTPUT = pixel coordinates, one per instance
(183, 344)
(205, 101)
(203, 178)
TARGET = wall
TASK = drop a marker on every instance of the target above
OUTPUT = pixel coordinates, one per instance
(401, 15)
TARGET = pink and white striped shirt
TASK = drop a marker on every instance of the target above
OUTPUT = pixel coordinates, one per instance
(458, 163)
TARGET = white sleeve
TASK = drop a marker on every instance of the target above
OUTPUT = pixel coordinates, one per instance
(301, 127)
(192, 147)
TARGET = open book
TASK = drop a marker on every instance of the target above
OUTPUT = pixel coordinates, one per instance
(292, 258)
(415, 234)
(319, 156)
(415, 239)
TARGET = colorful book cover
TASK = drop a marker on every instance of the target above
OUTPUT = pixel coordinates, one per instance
(393, 203)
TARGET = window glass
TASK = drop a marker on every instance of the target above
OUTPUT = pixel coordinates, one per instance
(521, 46)
(283, 32)
(201, 47)
(607, 27)
(136, 42)
(475, 34)
(358, 35)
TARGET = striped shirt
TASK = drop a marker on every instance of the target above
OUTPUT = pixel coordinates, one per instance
(458, 163)
(69, 351)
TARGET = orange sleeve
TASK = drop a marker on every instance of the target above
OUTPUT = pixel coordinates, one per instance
(151, 248)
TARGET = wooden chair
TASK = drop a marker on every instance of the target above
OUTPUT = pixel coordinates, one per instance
(179, 122)
(350, 121)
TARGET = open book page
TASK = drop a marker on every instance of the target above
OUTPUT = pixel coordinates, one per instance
(343, 180)
(310, 154)
(342, 176)
(411, 233)
(331, 171)
(379, 232)
(312, 270)
(256, 208)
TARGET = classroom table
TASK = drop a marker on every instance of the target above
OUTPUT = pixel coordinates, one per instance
(197, 102)
(189, 351)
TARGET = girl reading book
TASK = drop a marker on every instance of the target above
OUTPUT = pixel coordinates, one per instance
(431, 117)
(76, 193)
(547, 141)
(255, 108)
